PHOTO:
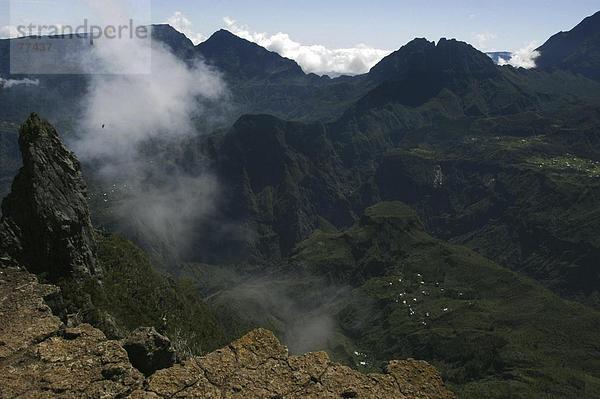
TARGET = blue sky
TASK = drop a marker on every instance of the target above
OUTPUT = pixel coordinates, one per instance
(366, 27)
(510, 24)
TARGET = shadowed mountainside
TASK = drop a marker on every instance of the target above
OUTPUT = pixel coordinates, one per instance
(577, 50)
(45, 220)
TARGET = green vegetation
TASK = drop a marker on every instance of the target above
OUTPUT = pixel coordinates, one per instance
(132, 294)
(490, 331)
(567, 163)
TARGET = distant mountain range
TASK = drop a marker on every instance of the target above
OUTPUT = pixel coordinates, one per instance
(265, 82)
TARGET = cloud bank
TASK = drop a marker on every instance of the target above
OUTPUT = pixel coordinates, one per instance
(8, 32)
(314, 58)
(483, 39)
(523, 58)
(9, 83)
(136, 107)
(301, 308)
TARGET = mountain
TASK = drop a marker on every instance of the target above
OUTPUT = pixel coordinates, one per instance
(479, 151)
(492, 332)
(243, 60)
(421, 71)
(175, 41)
(467, 187)
(286, 173)
(577, 50)
(491, 182)
(264, 82)
(448, 59)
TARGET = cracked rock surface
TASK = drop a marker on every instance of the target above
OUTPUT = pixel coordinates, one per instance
(40, 358)
(258, 366)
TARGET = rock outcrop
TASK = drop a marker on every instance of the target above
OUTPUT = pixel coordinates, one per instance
(45, 222)
(148, 350)
(41, 358)
(258, 366)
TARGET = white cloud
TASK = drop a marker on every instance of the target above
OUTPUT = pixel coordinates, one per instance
(523, 58)
(8, 83)
(482, 40)
(180, 22)
(313, 58)
(121, 101)
(8, 32)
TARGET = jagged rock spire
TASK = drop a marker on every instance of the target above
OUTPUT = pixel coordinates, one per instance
(45, 223)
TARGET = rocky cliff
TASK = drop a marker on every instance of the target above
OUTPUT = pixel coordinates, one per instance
(45, 222)
(47, 231)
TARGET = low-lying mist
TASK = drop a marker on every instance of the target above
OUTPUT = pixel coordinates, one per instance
(301, 310)
(130, 120)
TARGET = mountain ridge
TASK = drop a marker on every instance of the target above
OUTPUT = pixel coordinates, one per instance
(577, 50)
(451, 57)
(230, 53)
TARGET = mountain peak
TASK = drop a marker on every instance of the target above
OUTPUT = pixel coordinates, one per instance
(45, 218)
(577, 50)
(239, 58)
(224, 34)
(177, 42)
(448, 57)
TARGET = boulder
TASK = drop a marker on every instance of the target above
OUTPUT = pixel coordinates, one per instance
(148, 350)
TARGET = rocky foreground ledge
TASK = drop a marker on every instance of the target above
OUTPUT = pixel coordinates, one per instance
(42, 358)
